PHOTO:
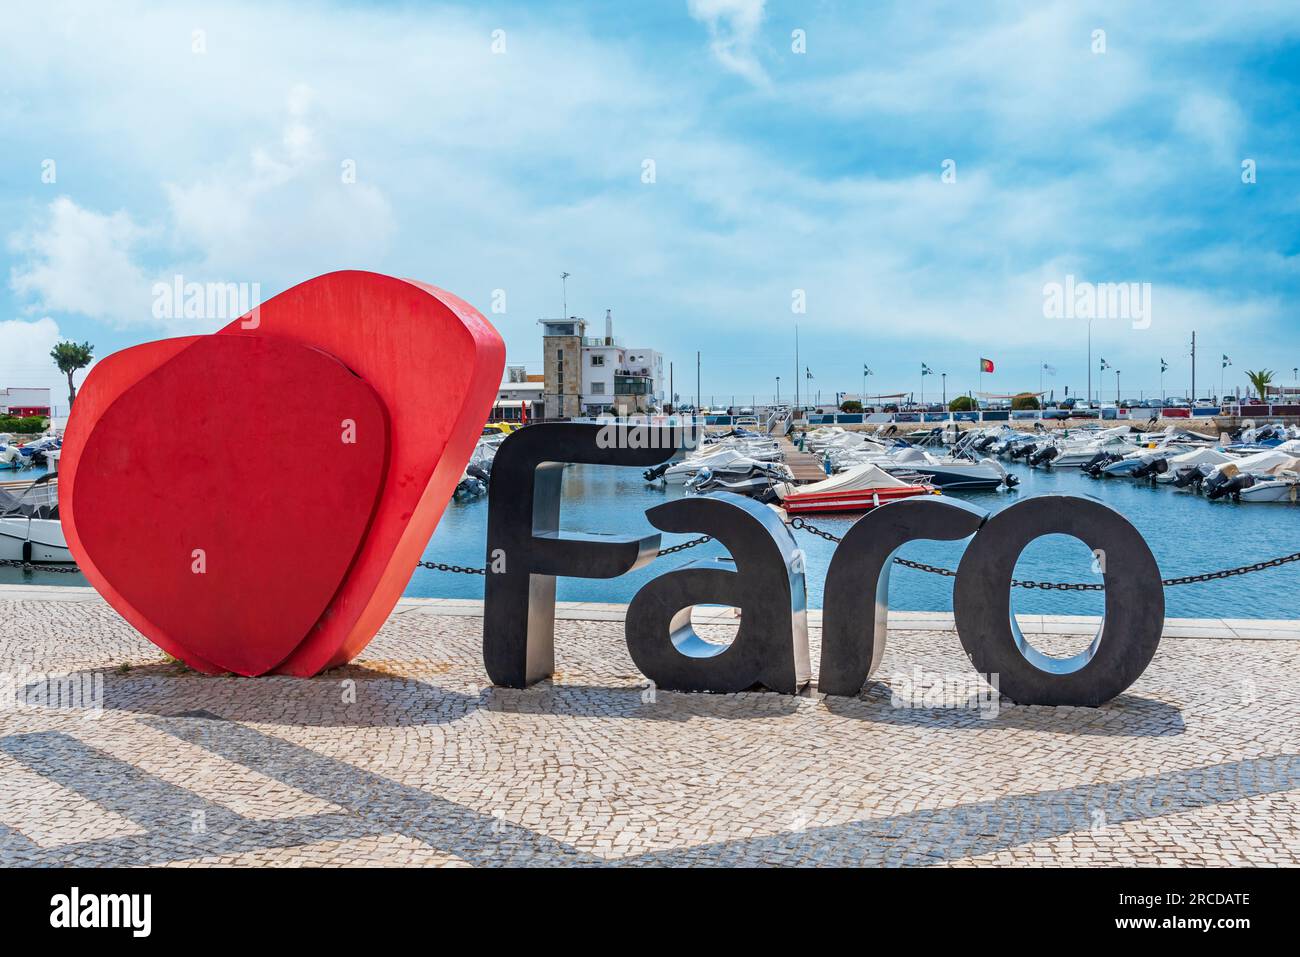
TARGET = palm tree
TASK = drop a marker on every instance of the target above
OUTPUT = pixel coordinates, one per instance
(69, 357)
(1261, 381)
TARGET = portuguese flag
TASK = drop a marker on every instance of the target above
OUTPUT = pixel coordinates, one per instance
(986, 365)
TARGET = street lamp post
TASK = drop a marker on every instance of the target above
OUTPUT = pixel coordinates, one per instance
(778, 390)
(1117, 388)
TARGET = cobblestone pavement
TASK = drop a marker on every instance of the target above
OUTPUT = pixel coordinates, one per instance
(407, 757)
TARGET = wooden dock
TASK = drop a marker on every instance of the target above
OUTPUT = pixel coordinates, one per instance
(805, 466)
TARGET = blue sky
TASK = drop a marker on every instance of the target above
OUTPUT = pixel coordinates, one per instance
(774, 171)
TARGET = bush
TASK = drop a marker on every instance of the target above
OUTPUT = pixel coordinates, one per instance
(27, 425)
(963, 403)
(850, 405)
(1025, 401)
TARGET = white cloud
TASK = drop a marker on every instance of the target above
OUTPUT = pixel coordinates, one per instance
(25, 359)
(480, 171)
(733, 26)
(1212, 121)
(80, 261)
(236, 218)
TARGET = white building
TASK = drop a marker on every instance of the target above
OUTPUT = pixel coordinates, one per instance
(608, 378)
(519, 392)
(649, 362)
(24, 402)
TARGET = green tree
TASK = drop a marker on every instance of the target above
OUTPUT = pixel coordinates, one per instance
(69, 357)
(1026, 400)
(850, 405)
(963, 403)
(1261, 380)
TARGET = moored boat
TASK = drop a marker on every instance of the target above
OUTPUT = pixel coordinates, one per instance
(859, 489)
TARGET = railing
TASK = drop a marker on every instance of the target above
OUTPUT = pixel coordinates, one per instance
(1000, 415)
(942, 418)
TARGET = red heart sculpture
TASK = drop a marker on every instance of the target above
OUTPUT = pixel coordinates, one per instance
(309, 530)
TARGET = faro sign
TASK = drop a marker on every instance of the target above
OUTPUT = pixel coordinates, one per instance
(366, 395)
(526, 551)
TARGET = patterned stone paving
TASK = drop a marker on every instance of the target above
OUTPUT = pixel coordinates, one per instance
(407, 757)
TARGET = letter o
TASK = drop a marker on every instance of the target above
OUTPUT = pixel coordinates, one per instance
(1130, 629)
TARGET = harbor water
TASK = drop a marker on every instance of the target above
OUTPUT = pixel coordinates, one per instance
(1187, 533)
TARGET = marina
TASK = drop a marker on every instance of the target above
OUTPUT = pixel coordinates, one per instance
(1184, 490)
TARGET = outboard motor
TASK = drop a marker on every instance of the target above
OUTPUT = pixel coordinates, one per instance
(983, 444)
(1231, 487)
(1098, 462)
(702, 478)
(1192, 476)
(1044, 456)
(656, 473)
(478, 472)
(1023, 451)
(1151, 468)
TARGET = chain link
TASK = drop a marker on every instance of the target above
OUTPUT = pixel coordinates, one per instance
(443, 567)
(803, 525)
(440, 567)
(38, 567)
(685, 545)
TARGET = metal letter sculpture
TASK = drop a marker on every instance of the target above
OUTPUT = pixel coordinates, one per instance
(1130, 628)
(366, 395)
(765, 581)
(526, 550)
(855, 616)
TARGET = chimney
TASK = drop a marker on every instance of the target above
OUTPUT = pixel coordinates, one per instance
(609, 327)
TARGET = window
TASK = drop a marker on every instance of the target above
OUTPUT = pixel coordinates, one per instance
(598, 360)
(598, 388)
(559, 355)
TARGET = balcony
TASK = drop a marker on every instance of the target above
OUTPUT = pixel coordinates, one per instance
(632, 384)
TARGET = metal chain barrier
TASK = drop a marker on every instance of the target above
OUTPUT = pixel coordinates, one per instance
(803, 525)
(38, 567)
(800, 523)
(442, 567)
(439, 566)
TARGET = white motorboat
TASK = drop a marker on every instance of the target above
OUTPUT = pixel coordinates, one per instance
(11, 457)
(1077, 450)
(747, 479)
(859, 489)
(1283, 486)
(30, 530)
(738, 459)
(1199, 461)
(949, 473)
(1143, 462)
(33, 540)
(1272, 469)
